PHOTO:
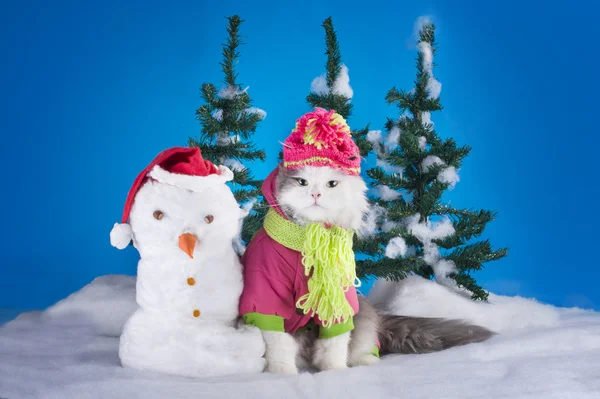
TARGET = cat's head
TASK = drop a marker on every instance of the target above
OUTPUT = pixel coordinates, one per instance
(322, 194)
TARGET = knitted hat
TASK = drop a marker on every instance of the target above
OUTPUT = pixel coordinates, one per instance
(178, 166)
(321, 138)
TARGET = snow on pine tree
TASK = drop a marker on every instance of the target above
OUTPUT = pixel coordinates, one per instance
(228, 122)
(417, 232)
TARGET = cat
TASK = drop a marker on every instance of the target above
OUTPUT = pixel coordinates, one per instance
(326, 195)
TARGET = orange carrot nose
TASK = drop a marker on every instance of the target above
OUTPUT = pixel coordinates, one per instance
(187, 243)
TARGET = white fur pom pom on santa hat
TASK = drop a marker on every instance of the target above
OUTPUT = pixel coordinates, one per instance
(178, 166)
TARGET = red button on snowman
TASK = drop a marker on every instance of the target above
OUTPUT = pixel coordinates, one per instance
(182, 219)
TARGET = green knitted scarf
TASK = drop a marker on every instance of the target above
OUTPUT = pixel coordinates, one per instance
(327, 253)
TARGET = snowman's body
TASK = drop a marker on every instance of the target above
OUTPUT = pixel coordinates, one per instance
(179, 287)
(188, 302)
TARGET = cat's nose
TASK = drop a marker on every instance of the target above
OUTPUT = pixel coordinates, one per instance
(316, 195)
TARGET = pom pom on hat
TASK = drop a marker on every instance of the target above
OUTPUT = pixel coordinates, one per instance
(225, 172)
(121, 235)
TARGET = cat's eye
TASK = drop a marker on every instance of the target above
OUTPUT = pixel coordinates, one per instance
(158, 215)
(332, 183)
(209, 219)
(302, 182)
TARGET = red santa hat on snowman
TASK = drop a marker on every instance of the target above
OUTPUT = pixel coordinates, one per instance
(178, 166)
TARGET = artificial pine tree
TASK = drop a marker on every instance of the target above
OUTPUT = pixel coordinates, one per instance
(228, 122)
(332, 89)
(416, 230)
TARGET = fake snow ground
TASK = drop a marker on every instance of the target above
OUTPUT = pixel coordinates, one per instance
(70, 351)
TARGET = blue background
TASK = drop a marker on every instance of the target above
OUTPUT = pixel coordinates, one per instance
(90, 93)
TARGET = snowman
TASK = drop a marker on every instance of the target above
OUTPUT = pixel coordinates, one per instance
(182, 218)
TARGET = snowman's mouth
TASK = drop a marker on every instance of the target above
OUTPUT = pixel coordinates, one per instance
(187, 243)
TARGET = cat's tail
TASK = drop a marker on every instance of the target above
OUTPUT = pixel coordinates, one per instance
(407, 334)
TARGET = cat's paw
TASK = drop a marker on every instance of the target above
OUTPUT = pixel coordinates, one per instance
(331, 353)
(364, 360)
(282, 368)
(328, 360)
(331, 364)
(251, 332)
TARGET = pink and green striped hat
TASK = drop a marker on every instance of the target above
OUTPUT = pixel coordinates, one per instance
(321, 138)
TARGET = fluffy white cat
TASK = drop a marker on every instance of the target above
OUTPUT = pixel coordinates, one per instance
(326, 195)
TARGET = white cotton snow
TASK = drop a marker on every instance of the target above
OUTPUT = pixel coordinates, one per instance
(381, 144)
(426, 232)
(422, 143)
(104, 305)
(420, 22)
(375, 138)
(426, 118)
(218, 115)
(541, 352)
(434, 87)
(395, 247)
(385, 193)
(416, 296)
(442, 270)
(391, 140)
(247, 207)
(230, 92)
(238, 244)
(369, 223)
(431, 160)
(341, 85)
(319, 85)
(449, 175)
(389, 225)
(427, 54)
(234, 164)
(262, 114)
(225, 138)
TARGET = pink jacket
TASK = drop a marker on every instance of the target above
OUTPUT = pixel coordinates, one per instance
(274, 277)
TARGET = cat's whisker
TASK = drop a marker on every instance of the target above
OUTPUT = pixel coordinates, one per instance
(261, 207)
(267, 206)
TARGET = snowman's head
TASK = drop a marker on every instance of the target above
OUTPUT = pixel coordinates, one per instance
(175, 222)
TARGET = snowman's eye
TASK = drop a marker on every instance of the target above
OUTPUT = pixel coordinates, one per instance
(209, 219)
(158, 215)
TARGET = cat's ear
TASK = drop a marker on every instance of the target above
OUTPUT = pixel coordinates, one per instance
(283, 171)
